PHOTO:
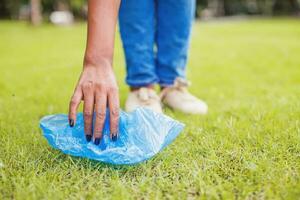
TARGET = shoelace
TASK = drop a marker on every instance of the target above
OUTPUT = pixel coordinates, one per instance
(146, 94)
(180, 84)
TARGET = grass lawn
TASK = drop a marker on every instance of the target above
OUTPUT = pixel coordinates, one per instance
(247, 147)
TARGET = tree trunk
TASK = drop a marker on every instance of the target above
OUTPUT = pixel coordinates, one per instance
(217, 7)
(35, 14)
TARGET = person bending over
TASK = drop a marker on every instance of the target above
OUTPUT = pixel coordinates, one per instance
(155, 36)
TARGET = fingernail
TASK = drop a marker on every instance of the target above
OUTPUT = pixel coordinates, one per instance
(71, 122)
(114, 137)
(88, 138)
(97, 141)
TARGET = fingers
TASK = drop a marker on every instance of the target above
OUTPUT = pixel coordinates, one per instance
(100, 110)
(96, 100)
(73, 106)
(88, 108)
(113, 103)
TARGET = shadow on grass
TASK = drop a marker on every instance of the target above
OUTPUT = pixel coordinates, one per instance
(58, 158)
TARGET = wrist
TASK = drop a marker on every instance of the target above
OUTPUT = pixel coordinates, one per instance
(96, 60)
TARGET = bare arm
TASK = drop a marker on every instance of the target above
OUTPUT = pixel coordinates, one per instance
(102, 19)
(97, 85)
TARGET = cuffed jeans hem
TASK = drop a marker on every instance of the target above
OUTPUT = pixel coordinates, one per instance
(166, 84)
(170, 82)
(141, 84)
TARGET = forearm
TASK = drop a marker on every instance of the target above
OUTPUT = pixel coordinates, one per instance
(102, 20)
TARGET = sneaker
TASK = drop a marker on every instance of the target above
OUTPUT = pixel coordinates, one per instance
(178, 97)
(143, 97)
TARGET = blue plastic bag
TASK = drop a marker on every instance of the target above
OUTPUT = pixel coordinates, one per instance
(142, 134)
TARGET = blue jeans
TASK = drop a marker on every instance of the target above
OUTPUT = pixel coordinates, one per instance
(155, 35)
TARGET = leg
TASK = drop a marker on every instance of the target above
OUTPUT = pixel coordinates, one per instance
(137, 27)
(174, 22)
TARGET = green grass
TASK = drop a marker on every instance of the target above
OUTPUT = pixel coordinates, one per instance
(247, 147)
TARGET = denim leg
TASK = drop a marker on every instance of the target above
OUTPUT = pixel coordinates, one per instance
(137, 27)
(174, 23)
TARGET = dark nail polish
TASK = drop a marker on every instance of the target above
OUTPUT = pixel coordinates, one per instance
(114, 137)
(88, 138)
(71, 122)
(97, 141)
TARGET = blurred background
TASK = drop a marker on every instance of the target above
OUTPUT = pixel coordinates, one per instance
(244, 62)
(64, 12)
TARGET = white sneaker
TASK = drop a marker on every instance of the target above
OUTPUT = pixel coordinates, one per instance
(178, 97)
(143, 97)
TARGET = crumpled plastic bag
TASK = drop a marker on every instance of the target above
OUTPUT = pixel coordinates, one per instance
(142, 134)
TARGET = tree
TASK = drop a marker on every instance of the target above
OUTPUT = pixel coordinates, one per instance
(35, 12)
(217, 7)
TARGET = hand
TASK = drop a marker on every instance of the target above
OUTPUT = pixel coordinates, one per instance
(97, 87)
